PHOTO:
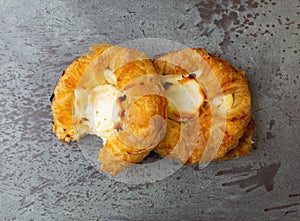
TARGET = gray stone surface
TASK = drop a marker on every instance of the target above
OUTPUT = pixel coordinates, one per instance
(42, 179)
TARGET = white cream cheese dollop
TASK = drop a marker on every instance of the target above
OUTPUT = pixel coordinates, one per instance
(185, 97)
(102, 110)
(222, 103)
(97, 108)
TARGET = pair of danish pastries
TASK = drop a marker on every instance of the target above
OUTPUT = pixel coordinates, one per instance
(186, 105)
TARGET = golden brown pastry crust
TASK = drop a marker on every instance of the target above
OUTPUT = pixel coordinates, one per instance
(63, 96)
(238, 123)
(143, 133)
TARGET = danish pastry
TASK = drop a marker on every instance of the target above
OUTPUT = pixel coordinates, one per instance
(223, 107)
(101, 93)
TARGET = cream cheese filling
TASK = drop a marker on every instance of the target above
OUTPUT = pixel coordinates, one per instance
(97, 108)
(222, 103)
(185, 97)
(102, 110)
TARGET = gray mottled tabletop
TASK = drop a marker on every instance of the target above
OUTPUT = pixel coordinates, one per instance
(42, 179)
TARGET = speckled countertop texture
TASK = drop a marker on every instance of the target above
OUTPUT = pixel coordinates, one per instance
(42, 179)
